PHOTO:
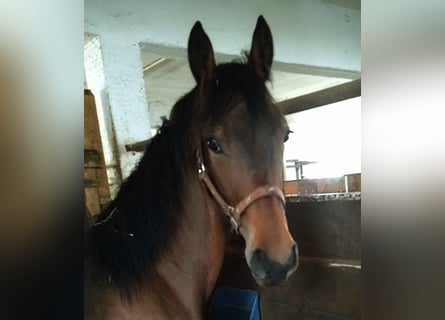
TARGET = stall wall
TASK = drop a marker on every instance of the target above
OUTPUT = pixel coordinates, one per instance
(327, 282)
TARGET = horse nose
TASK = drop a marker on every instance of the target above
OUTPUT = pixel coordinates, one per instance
(269, 272)
(292, 262)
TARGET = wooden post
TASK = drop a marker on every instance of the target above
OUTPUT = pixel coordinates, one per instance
(97, 192)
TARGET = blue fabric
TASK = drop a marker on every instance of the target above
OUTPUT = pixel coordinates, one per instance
(234, 304)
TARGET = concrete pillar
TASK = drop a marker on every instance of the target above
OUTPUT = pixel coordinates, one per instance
(126, 93)
(113, 70)
(95, 81)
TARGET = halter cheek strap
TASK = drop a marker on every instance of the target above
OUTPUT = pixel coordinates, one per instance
(234, 212)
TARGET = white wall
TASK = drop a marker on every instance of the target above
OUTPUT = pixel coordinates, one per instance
(308, 32)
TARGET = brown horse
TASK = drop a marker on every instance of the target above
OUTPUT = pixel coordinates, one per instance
(156, 252)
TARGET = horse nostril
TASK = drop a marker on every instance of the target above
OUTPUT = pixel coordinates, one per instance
(271, 272)
(260, 259)
(293, 259)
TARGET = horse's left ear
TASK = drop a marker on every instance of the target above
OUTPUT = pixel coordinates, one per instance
(200, 54)
(261, 52)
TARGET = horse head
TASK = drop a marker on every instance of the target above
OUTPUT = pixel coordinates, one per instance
(240, 138)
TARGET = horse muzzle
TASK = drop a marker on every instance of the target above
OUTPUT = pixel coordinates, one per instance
(271, 273)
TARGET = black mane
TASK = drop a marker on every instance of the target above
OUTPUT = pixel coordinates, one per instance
(148, 206)
(147, 210)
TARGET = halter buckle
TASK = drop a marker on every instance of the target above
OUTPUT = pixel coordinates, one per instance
(201, 167)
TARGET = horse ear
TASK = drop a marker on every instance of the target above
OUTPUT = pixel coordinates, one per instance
(200, 54)
(261, 52)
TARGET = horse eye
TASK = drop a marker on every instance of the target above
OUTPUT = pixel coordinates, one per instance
(214, 145)
(286, 136)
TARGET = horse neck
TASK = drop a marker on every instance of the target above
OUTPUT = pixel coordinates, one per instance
(184, 277)
(192, 265)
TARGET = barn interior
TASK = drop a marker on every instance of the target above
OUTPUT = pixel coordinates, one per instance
(135, 68)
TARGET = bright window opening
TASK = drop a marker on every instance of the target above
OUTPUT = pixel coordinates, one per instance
(328, 136)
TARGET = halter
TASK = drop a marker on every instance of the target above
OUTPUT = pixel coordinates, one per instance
(234, 212)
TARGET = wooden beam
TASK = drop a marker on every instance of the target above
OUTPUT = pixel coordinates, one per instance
(314, 70)
(316, 99)
(138, 146)
(320, 98)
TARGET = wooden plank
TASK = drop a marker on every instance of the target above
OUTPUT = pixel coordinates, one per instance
(313, 289)
(290, 187)
(327, 229)
(330, 185)
(272, 309)
(137, 146)
(354, 182)
(92, 201)
(91, 159)
(91, 138)
(90, 178)
(320, 98)
(323, 185)
(103, 188)
(93, 153)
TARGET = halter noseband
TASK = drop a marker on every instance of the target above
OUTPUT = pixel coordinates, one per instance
(234, 212)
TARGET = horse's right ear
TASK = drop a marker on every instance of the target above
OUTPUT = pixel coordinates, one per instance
(200, 54)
